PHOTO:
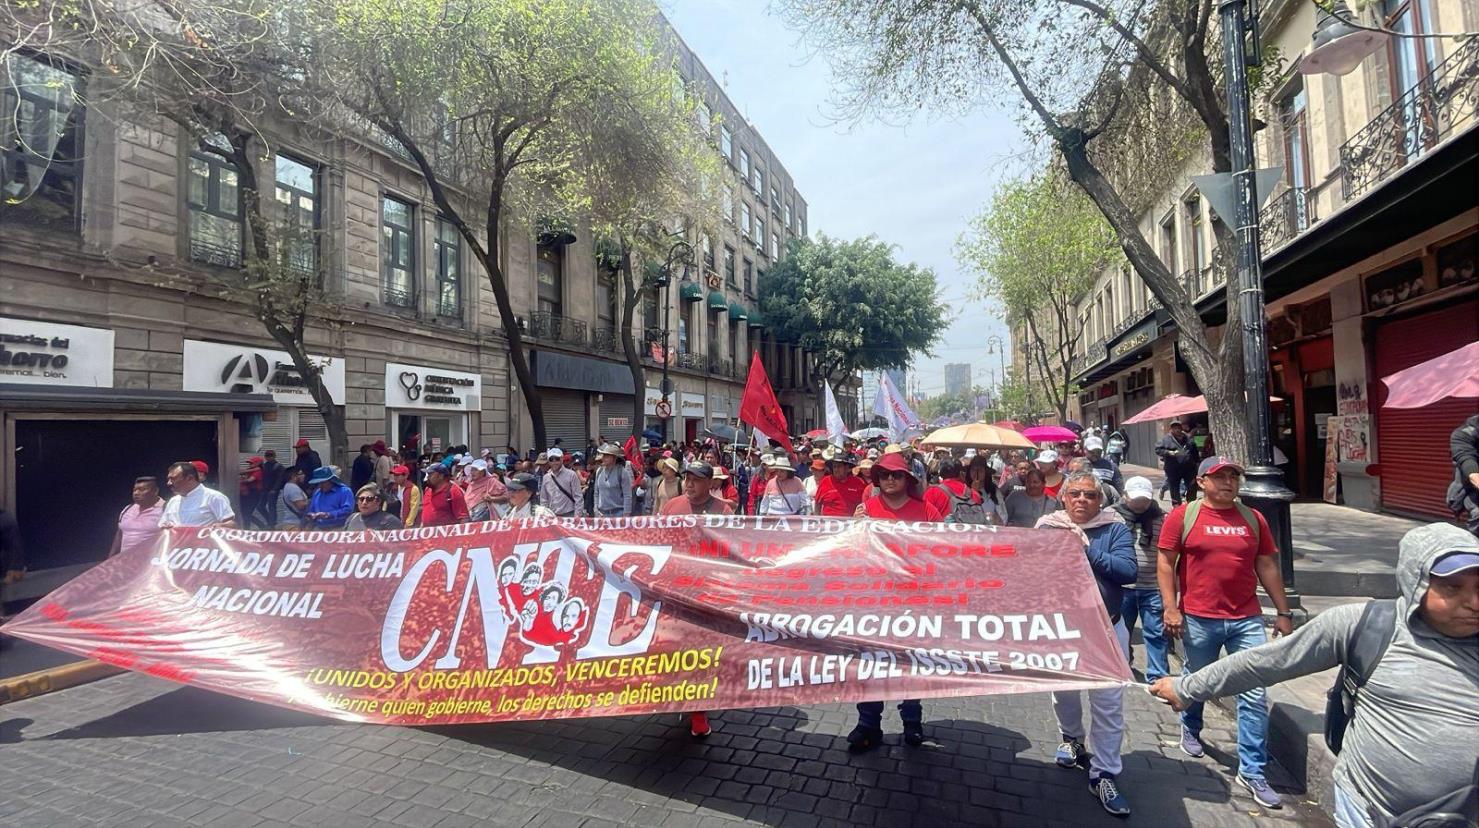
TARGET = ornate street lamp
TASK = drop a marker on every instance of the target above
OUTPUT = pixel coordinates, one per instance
(680, 252)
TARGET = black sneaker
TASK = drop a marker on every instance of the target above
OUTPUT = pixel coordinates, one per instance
(913, 734)
(1109, 796)
(863, 739)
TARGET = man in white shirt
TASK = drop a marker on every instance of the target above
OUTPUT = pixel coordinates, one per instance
(194, 503)
(560, 490)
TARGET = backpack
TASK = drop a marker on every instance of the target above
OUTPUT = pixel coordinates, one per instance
(1194, 508)
(963, 509)
(1363, 650)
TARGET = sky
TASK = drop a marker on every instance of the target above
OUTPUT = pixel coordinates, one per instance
(913, 185)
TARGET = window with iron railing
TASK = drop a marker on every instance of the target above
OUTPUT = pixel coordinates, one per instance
(449, 269)
(40, 142)
(214, 198)
(297, 198)
(397, 252)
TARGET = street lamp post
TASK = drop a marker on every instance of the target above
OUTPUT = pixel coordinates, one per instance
(995, 344)
(680, 251)
(1263, 485)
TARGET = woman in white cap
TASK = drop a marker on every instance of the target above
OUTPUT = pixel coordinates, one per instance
(784, 494)
(1052, 476)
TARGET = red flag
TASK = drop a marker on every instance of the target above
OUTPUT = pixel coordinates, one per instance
(760, 408)
(633, 452)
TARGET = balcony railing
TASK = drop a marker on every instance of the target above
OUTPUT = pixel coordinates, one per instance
(1414, 123)
(557, 328)
(1095, 354)
(1287, 215)
(398, 297)
(692, 360)
(212, 254)
(605, 340)
(720, 366)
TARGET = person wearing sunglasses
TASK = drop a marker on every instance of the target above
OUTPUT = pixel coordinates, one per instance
(369, 511)
(1110, 548)
(899, 498)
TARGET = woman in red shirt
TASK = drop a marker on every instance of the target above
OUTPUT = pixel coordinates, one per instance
(899, 498)
(841, 492)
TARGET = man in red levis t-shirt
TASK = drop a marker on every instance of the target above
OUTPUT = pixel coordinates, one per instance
(840, 492)
(898, 498)
(1213, 562)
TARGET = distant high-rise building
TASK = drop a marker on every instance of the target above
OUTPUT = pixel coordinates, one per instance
(957, 378)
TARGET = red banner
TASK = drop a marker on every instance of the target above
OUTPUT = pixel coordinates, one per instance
(594, 617)
(761, 409)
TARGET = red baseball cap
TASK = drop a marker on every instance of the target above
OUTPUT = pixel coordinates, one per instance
(1217, 463)
(399, 470)
(200, 467)
(302, 443)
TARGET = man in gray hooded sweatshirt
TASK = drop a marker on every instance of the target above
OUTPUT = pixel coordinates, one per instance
(1414, 738)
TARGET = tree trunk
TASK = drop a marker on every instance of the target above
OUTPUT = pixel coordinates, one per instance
(629, 300)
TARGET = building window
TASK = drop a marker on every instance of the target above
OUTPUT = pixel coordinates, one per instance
(215, 208)
(1168, 241)
(757, 180)
(745, 219)
(801, 221)
(727, 203)
(449, 269)
(759, 232)
(744, 164)
(707, 245)
(712, 329)
(749, 277)
(788, 216)
(683, 333)
(705, 118)
(1198, 238)
(398, 251)
(606, 299)
(297, 201)
(551, 280)
(726, 143)
(40, 142)
(1294, 119)
(775, 246)
(728, 264)
(650, 310)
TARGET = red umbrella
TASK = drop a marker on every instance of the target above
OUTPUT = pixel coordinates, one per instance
(1455, 374)
(815, 434)
(1176, 405)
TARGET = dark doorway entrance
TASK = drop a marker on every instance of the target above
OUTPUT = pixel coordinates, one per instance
(73, 477)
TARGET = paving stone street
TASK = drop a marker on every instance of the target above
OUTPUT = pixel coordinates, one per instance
(136, 751)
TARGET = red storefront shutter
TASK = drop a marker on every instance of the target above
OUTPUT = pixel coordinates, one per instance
(1412, 443)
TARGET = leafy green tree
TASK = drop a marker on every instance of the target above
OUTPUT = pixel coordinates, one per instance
(1020, 400)
(1036, 250)
(852, 304)
(498, 105)
(1123, 91)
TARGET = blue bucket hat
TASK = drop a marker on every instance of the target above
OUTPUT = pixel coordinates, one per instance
(321, 474)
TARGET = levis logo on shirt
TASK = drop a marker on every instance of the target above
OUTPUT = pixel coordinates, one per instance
(1228, 531)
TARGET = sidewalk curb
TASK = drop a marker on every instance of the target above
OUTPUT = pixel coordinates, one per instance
(51, 679)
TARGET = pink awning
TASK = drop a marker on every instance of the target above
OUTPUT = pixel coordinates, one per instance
(1455, 374)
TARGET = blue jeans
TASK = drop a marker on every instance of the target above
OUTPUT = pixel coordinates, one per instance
(1350, 811)
(1204, 638)
(870, 714)
(1145, 604)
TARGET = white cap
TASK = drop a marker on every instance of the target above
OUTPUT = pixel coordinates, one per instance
(1046, 456)
(480, 465)
(464, 459)
(1137, 487)
(1093, 443)
(555, 453)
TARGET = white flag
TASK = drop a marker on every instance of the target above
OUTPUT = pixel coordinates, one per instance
(890, 405)
(836, 429)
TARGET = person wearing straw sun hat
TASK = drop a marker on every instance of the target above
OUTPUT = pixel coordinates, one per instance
(840, 492)
(667, 486)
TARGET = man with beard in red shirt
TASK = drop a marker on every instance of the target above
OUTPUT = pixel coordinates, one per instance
(898, 498)
(841, 492)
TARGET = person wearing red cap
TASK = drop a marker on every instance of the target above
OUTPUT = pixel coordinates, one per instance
(407, 494)
(307, 458)
(382, 464)
(1214, 552)
(899, 498)
(249, 484)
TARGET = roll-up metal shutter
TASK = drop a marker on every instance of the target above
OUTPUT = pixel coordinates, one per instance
(1412, 443)
(618, 407)
(565, 415)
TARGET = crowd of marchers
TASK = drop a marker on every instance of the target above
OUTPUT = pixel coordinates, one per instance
(1409, 686)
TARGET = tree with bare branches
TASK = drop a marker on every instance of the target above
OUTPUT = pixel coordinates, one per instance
(1113, 86)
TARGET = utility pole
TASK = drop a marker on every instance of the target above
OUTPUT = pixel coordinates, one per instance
(1263, 483)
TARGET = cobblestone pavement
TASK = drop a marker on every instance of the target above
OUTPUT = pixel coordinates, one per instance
(135, 751)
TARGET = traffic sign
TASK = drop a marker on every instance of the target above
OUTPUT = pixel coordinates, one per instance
(663, 409)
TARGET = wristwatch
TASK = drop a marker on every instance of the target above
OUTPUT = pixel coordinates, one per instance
(1285, 614)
